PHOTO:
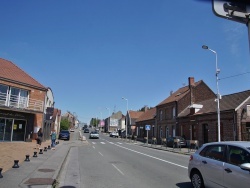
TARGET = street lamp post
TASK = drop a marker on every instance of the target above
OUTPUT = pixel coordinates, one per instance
(217, 71)
(126, 125)
(109, 118)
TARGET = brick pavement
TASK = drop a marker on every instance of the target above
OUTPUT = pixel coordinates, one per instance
(10, 151)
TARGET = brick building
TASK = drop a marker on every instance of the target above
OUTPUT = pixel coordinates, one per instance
(147, 118)
(199, 121)
(168, 110)
(21, 103)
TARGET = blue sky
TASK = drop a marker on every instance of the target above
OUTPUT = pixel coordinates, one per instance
(91, 53)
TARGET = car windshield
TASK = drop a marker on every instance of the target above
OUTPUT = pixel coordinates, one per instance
(64, 131)
(94, 132)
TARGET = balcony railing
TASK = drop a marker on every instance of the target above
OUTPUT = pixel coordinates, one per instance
(17, 101)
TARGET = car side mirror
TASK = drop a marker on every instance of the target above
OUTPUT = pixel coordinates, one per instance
(245, 166)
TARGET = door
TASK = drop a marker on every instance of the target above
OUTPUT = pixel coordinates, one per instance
(234, 176)
(19, 128)
(205, 133)
(8, 130)
(212, 165)
(2, 129)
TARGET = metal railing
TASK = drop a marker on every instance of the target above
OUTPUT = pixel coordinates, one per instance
(16, 101)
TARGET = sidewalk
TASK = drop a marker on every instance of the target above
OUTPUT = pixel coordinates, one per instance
(41, 172)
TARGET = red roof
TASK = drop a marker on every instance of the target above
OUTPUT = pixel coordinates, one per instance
(12, 73)
(135, 114)
(180, 93)
(148, 115)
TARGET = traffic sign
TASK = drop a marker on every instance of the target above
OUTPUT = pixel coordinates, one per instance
(235, 10)
(147, 127)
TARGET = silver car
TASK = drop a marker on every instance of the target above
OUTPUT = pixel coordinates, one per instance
(94, 134)
(221, 164)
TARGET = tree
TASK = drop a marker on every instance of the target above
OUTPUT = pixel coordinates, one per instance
(94, 122)
(65, 124)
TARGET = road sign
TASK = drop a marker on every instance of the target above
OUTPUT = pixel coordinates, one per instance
(147, 127)
(232, 10)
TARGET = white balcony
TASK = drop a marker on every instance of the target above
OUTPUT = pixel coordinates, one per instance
(16, 101)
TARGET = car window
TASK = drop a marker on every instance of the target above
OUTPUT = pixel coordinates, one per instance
(216, 152)
(64, 131)
(238, 156)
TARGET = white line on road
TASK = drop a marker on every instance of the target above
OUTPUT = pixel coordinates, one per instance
(100, 153)
(94, 147)
(152, 157)
(118, 169)
(102, 142)
(93, 143)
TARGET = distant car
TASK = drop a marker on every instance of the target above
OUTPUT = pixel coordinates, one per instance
(94, 134)
(86, 130)
(171, 141)
(64, 135)
(72, 130)
(114, 134)
(221, 164)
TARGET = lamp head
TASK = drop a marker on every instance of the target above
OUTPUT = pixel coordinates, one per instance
(205, 47)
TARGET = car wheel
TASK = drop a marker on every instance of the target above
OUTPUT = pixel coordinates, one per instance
(197, 180)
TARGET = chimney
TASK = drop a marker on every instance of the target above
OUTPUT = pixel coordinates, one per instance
(190, 81)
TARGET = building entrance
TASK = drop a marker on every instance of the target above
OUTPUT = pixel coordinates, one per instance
(12, 129)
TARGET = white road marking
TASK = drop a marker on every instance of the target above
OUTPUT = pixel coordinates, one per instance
(111, 142)
(102, 142)
(94, 147)
(118, 169)
(93, 143)
(100, 153)
(152, 157)
(119, 143)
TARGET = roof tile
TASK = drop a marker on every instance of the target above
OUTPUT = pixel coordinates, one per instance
(10, 71)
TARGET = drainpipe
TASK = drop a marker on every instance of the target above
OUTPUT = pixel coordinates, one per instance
(44, 112)
(235, 125)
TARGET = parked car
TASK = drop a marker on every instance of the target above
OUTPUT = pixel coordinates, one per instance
(64, 135)
(114, 134)
(221, 164)
(94, 134)
(171, 141)
(86, 130)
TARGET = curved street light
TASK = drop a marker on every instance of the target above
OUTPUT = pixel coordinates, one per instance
(217, 71)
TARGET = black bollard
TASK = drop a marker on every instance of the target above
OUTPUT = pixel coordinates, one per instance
(1, 176)
(27, 158)
(45, 149)
(41, 151)
(35, 154)
(15, 164)
(49, 147)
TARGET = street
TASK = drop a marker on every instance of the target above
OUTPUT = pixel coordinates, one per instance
(111, 162)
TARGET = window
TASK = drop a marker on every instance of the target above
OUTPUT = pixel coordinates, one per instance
(173, 112)
(160, 114)
(18, 98)
(3, 94)
(216, 152)
(238, 156)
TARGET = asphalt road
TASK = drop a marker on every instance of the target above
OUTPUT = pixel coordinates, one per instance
(112, 163)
